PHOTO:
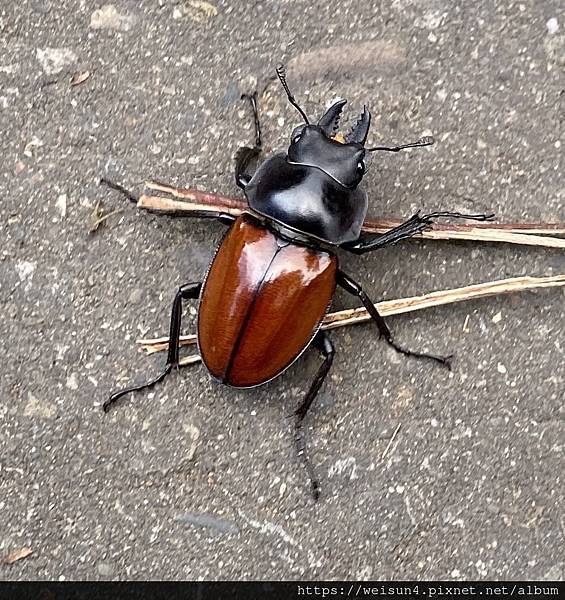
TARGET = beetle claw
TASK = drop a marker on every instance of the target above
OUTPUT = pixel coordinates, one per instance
(447, 361)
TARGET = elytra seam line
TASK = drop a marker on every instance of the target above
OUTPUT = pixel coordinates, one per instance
(248, 314)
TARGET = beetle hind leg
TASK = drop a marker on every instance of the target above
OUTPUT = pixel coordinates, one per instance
(246, 155)
(185, 292)
(325, 346)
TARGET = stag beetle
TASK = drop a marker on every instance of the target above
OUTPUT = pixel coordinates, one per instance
(274, 275)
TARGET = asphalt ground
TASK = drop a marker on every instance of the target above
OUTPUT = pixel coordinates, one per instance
(194, 480)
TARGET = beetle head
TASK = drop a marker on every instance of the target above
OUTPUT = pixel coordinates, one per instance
(340, 157)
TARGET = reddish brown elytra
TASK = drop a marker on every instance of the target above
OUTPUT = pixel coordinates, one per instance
(278, 295)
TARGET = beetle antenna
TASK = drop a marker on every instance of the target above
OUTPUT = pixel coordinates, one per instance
(282, 76)
(425, 141)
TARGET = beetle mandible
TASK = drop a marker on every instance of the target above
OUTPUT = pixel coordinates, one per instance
(274, 275)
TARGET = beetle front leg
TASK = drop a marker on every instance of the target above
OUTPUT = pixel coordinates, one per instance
(325, 346)
(224, 218)
(354, 288)
(190, 291)
(246, 155)
(414, 225)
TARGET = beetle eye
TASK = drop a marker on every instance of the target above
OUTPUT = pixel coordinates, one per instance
(297, 134)
(361, 167)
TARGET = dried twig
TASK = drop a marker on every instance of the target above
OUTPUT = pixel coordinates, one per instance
(190, 200)
(468, 292)
(531, 234)
(79, 77)
(17, 555)
(98, 216)
(396, 307)
(391, 441)
(205, 198)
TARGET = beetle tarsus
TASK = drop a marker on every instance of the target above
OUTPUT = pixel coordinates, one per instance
(355, 289)
(416, 224)
(135, 388)
(120, 188)
(246, 155)
(325, 346)
(189, 291)
(445, 361)
(255, 108)
(243, 159)
(448, 361)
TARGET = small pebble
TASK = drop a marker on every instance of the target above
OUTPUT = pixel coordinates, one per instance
(72, 382)
(108, 17)
(552, 26)
(37, 408)
(54, 60)
(232, 94)
(104, 569)
(61, 204)
(25, 269)
(136, 296)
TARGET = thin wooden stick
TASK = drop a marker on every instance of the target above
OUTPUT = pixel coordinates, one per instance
(218, 202)
(494, 235)
(188, 200)
(391, 441)
(197, 196)
(168, 205)
(400, 306)
(440, 298)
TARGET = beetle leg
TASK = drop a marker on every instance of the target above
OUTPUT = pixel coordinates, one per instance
(185, 292)
(255, 108)
(224, 218)
(354, 288)
(120, 188)
(325, 346)
(415, 224)
(246, 155)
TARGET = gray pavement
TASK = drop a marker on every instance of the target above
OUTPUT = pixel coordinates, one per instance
(194, 480)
